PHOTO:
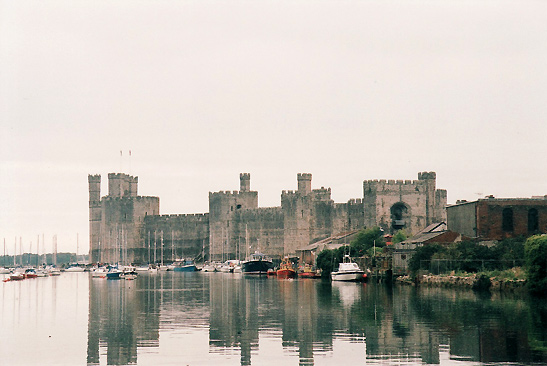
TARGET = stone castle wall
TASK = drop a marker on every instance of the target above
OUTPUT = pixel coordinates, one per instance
(171, 237)
(410, 205)
(235, 225)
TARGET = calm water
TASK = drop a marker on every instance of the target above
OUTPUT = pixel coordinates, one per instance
(224, 319)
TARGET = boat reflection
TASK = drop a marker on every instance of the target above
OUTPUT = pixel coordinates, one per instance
(249, 317)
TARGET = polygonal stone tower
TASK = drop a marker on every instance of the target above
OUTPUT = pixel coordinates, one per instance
(410, 205)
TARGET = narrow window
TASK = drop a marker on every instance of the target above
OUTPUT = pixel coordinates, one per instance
(507, 219)
(533, 220)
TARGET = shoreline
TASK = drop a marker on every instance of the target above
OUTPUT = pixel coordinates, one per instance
(476, 281)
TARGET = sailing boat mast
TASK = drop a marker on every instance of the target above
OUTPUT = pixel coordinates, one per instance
(162, 247)
(155, 246)
(55, 250)
(246, 241)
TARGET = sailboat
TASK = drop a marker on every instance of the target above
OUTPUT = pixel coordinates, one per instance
(4, 270)
(75, 267)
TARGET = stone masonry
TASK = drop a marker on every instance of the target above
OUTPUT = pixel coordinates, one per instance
(127, 227)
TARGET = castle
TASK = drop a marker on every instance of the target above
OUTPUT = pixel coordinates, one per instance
(126, 227)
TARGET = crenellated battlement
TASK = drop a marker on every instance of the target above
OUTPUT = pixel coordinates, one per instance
(427, 175)
(129, 198)
(355, 201)
(183, 217)
(229, 193)
(392, 182)
(94, 178)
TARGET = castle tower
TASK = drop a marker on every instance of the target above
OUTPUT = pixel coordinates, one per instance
(95, 216)
(429, 179)
(222, 208)
(244, 182)
(304, 183)
(409, 205)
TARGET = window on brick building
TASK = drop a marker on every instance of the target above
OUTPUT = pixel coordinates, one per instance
(533, 220)
(507, 219)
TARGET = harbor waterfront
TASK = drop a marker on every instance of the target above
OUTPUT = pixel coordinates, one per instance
(205, 318)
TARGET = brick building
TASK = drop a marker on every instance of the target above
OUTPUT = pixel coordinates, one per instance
(498, 218)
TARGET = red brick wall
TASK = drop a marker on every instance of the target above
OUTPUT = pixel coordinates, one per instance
(490, 217)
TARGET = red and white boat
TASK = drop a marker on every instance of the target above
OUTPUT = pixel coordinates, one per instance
(30, 273)
(17, 276)
(286, 269)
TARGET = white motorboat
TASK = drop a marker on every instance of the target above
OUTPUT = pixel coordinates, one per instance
(99, 272)
(209, 267)
(348, 271)
(53, 271)
(74, 268)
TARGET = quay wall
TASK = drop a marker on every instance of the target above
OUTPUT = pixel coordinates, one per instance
(475, 281)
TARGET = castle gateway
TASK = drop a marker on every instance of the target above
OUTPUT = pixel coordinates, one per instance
(128, 228)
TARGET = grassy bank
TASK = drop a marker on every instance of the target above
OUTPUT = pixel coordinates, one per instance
(509, 279)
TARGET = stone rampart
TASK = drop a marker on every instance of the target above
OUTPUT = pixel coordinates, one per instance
(467, 282)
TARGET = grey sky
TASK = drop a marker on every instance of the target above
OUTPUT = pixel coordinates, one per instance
(200, 91)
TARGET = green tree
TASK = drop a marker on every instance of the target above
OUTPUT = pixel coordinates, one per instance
(325, 261)
(535, 252)
(473, 257)
(366, 239)
(400, 236)
(421, 258)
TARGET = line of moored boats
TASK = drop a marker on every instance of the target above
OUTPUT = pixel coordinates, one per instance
(256, 264)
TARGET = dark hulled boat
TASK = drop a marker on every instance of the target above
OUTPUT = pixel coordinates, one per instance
(257, 264)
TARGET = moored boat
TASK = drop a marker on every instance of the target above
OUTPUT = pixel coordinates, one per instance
(209, 267)
(17, 276)
(53, 271)
(130, 275)
(114, 273)
(185, 265)
(308, 272)
(74, 268)
(99, 272)
(286, 269)
(30, 273)
(348, 271)
(257, 264)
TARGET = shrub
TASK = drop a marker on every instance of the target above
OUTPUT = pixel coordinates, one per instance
(535, 252)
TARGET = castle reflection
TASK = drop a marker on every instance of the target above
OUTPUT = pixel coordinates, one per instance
(308, 317)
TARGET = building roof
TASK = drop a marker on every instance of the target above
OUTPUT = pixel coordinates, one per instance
(428, 233)
(332, 242)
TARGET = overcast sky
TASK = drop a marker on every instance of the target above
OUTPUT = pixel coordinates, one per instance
(201, 91)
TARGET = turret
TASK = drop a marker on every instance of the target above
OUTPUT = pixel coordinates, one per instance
(122, 185)
(95, 213)
(244, 182)
(94, 187)
(304, 183)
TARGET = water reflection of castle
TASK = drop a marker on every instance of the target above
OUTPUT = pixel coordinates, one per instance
(307, 317)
